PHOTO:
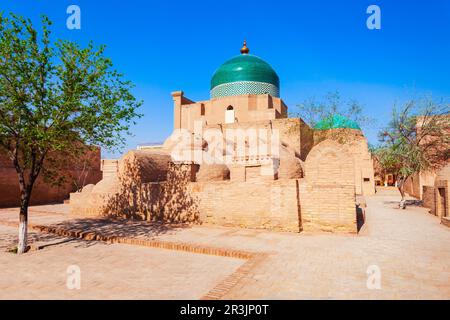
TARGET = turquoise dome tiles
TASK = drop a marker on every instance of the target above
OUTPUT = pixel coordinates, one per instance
(336, 122)
(245, 74)
(244, 87)
(245, 67)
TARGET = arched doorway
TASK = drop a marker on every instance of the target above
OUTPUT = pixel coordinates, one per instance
(229, 115)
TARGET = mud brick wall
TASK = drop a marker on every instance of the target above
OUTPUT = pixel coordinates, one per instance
(259, 204)
(327, 193)
(428, 196)
(44, 193)
(329, 208)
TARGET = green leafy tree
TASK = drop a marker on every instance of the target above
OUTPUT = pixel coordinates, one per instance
(313, 110)
(384, 160)
(416, 139)
(56, 99)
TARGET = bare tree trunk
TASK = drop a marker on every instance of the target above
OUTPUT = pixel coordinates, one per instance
(26, 187)
(23, 223)
(401, 188)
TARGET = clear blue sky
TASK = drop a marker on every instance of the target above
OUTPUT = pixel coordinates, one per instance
(315, 47)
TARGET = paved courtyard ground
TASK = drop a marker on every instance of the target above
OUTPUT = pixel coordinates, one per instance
(115, 271)
(410, 248)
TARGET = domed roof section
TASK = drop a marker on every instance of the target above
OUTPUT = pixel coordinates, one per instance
(245, 67)
(336, 121)
(245, 74)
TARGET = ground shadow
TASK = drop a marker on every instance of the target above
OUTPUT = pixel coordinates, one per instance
(360, 217)
(411, 203)
(168, 201)
(42, 240)
(120, 227)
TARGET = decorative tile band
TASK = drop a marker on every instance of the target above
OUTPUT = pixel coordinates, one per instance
(244, 87)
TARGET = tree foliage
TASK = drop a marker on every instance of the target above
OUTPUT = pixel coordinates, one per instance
(416, 139)
(385, 161)
(313, 110)
(56, 98)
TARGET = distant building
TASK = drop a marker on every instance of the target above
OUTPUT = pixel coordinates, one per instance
(433, 186)
(149, 145)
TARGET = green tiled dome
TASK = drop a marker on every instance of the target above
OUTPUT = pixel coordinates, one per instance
(336, 122)
(244, 74)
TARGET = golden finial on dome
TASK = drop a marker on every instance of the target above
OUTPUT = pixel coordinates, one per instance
(244, 49)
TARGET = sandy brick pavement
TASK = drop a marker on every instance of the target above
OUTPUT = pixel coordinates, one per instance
(115, 271)
(410, 247)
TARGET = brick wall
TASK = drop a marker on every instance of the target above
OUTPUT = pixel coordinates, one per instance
(428, 198)
(259, 204)
(328, 208)
(293, 132)
(442, 198)
(43, 193)
(322, 201)
(327, 194)
(329, 162)
(414, 184)
(356, 145)
(285, 205)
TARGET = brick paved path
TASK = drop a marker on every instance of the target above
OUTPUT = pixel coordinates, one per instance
(410, 247)
(114, 271)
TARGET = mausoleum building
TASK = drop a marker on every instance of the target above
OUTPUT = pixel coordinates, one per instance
(237, 159)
